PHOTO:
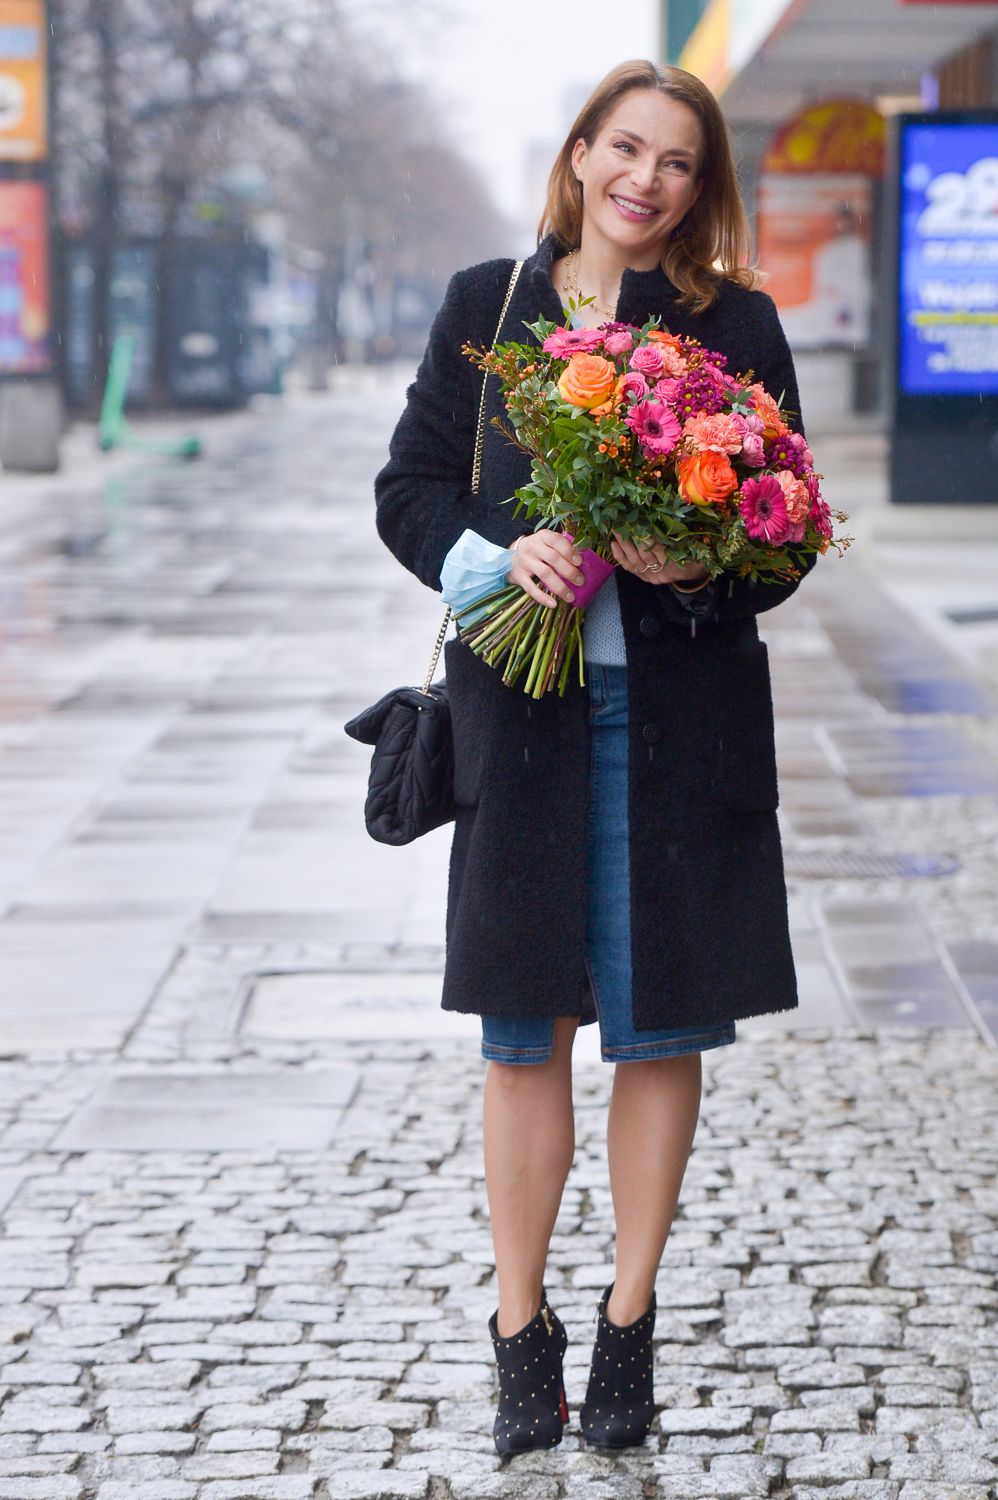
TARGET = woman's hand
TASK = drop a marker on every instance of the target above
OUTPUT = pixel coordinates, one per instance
(545, 564)
(650, 563)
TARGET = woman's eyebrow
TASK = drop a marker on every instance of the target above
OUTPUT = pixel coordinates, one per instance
(672, 150)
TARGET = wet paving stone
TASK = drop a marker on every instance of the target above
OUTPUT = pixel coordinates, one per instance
(211, 1111)
(896, 664)
(976, 965)
(907, 761)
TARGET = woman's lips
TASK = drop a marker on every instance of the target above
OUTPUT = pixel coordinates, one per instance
(636, 216)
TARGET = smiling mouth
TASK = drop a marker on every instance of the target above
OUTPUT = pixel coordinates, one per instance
(632, 207)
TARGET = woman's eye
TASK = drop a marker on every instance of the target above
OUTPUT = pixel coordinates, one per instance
(625, 145)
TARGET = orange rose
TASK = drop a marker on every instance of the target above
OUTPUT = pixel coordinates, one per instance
(587, 380)
(706, 478)
(612, 403)
(767, 409)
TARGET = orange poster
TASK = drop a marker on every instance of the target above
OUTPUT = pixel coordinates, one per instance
(25, 316)
(813, 241)
(23, 95)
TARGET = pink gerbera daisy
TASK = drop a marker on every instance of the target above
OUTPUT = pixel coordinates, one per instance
(565, 342)
(764, 511)
(654, 426)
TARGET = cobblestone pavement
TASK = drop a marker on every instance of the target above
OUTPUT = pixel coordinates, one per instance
(244, 1252)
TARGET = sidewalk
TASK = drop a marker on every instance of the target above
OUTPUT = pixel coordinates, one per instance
(246, 1253)
(940, 562)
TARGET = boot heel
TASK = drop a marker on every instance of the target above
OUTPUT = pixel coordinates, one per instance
(532, 1408)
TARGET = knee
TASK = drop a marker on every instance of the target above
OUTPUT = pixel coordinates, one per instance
(513, 1078)
(680, 1071)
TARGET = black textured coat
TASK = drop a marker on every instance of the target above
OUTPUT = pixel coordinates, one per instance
(708, 902)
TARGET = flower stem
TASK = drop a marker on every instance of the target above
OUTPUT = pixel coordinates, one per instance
(480, 634)
(518, 654)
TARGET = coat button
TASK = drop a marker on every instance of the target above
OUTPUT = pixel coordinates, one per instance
(650, 625)
(651, 734)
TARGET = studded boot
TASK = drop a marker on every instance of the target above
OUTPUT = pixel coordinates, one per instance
(532, 1409)
(620, 1401)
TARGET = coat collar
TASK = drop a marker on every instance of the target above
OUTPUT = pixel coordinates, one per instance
(641, 292)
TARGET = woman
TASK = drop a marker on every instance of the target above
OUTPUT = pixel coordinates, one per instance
(616, 853)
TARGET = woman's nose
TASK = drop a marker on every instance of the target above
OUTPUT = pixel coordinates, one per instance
(644, 176)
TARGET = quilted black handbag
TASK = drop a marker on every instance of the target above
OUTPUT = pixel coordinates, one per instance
(411, 786)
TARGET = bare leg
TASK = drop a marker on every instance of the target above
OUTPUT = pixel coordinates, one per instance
(529, 1138)
(654, 1109)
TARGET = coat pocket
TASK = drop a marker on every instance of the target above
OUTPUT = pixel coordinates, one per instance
(470, 709)
(747, 738)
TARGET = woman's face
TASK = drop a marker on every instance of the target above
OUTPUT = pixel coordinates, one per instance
(639, 177)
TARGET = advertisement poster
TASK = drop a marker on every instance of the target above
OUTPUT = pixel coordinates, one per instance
(948, 258)
(813, 240)
(23, 111)
(25, 330)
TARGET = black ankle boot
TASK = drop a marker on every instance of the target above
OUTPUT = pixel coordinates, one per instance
(532, 1408)
(620, 1400)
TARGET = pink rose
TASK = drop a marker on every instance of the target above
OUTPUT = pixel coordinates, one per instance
(647, 360)
(753, 450)
(632, 386)
(666, 390)
(799, 441)
(620, 342)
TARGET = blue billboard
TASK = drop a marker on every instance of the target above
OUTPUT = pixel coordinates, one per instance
(948, 258)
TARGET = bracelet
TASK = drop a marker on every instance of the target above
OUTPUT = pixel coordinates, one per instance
(696, 587)
(516, 542)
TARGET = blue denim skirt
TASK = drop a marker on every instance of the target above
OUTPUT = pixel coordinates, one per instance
(608, 916)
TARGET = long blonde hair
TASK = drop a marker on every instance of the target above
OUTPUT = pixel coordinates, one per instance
(712, 242)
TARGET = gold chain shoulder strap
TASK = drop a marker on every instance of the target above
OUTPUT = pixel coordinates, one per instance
(476, 468)
(476, 472)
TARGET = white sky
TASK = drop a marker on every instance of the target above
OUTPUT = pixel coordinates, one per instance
(512, 72)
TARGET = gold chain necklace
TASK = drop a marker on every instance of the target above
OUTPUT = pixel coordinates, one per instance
(572, 285)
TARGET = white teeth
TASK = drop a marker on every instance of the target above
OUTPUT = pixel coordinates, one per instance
(634, 207)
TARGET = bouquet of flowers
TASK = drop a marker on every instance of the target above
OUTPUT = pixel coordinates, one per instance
(642, 433)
